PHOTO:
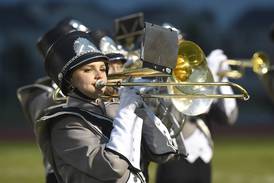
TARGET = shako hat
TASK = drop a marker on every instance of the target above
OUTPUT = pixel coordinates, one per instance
(68, 53)
(108, 46)
(65, 26)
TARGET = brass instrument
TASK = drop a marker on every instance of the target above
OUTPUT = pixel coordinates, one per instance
(58, 96)
(190, 86)
(259, 63)
(243, 96)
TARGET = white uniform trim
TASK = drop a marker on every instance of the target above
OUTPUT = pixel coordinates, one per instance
(197, 146)
(125, 137)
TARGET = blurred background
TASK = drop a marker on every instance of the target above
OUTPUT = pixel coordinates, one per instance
(243, 152)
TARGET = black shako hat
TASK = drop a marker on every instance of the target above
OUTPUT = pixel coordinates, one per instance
(65, 26)
(107, 46)
(68, 53)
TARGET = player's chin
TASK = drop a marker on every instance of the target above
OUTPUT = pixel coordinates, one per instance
(100, 91)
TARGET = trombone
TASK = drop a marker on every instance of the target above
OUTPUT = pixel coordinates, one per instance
(259, 63)
(189, 87)
(190, 76)
(245, 96)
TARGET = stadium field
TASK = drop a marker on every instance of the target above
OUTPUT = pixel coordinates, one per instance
(236, 160)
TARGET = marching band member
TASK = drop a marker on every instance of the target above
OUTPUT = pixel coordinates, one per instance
(79, 140)
(196, 131)
(55, 125)
(84, 145)
(35, 98)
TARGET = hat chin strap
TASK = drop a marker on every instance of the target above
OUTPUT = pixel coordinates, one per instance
(72, 89)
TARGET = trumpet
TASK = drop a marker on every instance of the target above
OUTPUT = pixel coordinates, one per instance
(259, 63)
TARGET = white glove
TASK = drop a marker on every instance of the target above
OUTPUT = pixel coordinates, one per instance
(129, 99)
(144, 89)
(214, 61)
(125, 138)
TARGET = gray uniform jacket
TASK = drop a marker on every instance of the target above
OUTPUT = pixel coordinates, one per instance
(61, 127)
(34, 98)
(75, 145)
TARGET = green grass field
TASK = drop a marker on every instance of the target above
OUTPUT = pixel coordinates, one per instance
(236, 160)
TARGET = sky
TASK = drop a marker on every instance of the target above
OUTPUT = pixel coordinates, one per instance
(226, 10)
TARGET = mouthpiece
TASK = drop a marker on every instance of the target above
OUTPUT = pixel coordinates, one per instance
(100, 84)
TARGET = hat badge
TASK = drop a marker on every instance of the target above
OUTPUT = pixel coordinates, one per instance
(83, 45)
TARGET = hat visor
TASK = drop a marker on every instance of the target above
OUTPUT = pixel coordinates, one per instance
(122, 59)
(116, 57)
(86, 59)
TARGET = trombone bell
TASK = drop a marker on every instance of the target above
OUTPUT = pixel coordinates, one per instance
(194, 106)
(190, 55)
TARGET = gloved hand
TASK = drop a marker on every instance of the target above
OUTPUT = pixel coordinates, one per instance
(125, 138)
(129, 99)
(144, 89)
(214, 60)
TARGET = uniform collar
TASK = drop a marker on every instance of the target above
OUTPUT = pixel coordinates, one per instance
(95, 105)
